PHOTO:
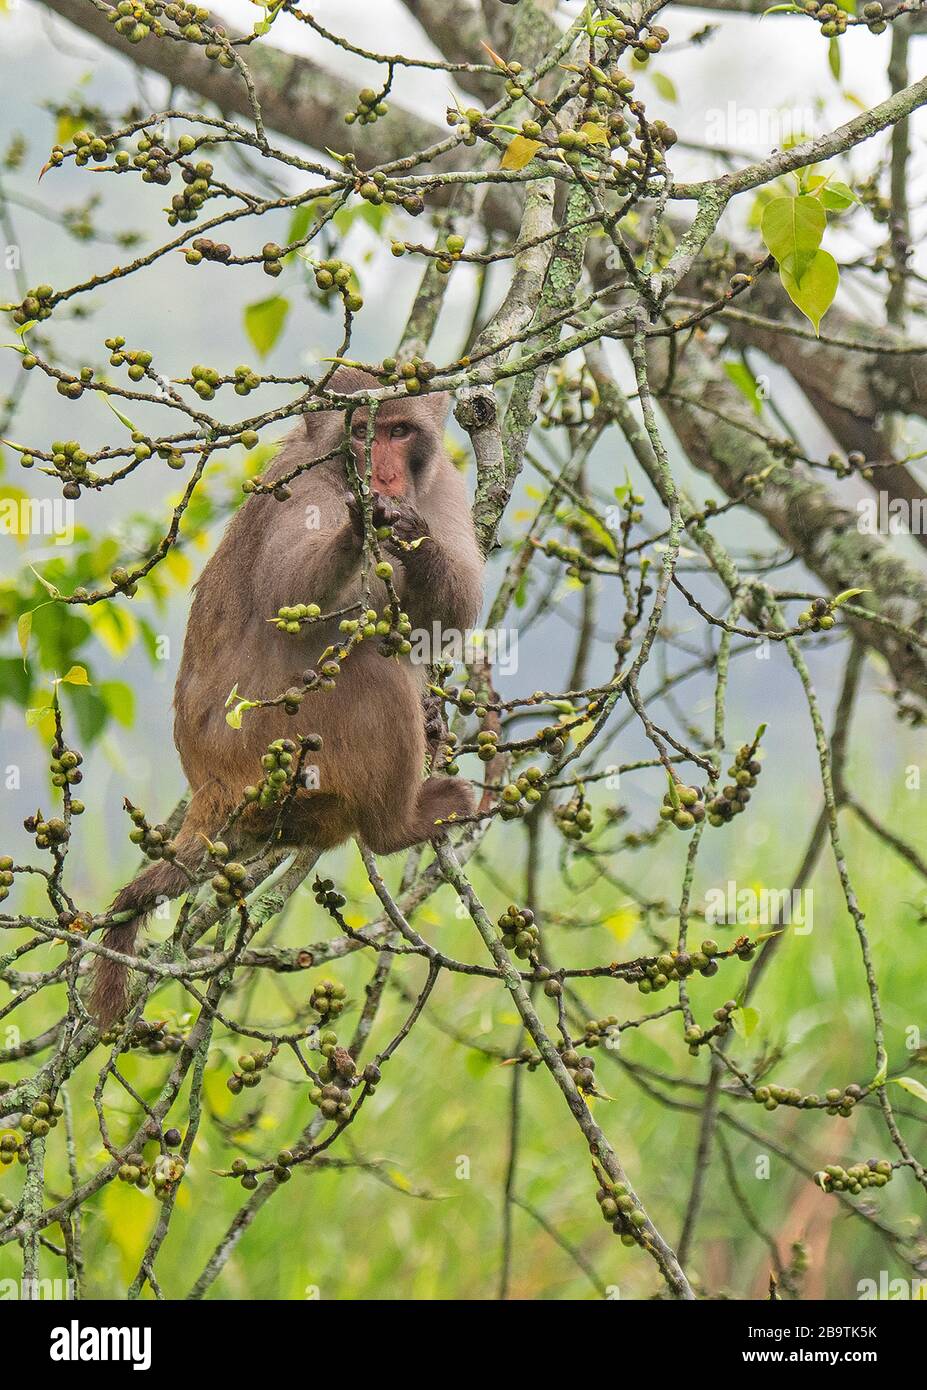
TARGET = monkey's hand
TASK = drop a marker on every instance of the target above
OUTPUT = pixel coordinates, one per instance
(435, 727)
(405, 523)
(355, 516)
(392, 513)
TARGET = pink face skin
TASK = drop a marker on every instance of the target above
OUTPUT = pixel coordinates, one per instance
(391, 470)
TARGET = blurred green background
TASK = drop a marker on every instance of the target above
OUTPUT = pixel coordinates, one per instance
(412, 1228)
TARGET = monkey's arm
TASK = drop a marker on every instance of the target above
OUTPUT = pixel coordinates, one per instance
(308, 564)
(443, 582)
(325, 569)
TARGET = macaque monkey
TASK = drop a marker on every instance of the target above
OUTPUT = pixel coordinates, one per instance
(369, 770)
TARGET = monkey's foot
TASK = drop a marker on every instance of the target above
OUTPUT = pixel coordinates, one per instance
(441, 802)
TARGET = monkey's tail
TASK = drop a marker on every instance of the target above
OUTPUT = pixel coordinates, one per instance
(109, 989)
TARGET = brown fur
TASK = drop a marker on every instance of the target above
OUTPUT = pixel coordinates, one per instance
(374, 746)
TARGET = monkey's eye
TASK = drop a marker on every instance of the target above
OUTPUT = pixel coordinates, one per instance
(400, 431)
(360, 431)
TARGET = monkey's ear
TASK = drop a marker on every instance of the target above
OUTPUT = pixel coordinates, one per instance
(438, 404)
(351, 381)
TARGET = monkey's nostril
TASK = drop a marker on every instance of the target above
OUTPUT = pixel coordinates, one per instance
(387, 486)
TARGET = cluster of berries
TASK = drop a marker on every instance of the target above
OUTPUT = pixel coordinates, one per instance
(370, 108)
(817, 618)
(684, 806)
(574, 820)
(678, 965)
(50, 833)
(733, 797)
(277, 763)
(519, 931)
(875, 1173)
(328, 998)
(523, 792)
(334, 276)
(250, 1067)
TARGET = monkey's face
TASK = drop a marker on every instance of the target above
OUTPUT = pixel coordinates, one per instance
(398, 455)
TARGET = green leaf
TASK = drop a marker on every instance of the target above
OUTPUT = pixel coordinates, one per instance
(837, 197)
(36, 715)
(77, 675)
(91, 712)
(264, 322)
(665, 87)
(520, 151)
(14, 681)
(845, 597)
(24, 632)
(792, 230)
(300, 222)
(236, 706)
(118, 413)
(49, 588)
(119, 699)
(881, 1074)
(263, 26)
(375, 214)
(745, 1021)
(601, 534)
(477, 1064)
(833, 58)
(761, 201)
(115, 625)
(745, 382)
(914, 1088)
(68, 125)
(234, 716)
(814, 293)
(372, 213)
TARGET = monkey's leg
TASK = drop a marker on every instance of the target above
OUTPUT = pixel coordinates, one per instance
(438, 799)
(159, 882)
(110, 978)
(319, 819)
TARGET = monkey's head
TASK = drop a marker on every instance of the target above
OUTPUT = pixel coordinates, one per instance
(407, 439)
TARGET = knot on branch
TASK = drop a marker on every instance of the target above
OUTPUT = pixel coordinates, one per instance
(476, 410)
